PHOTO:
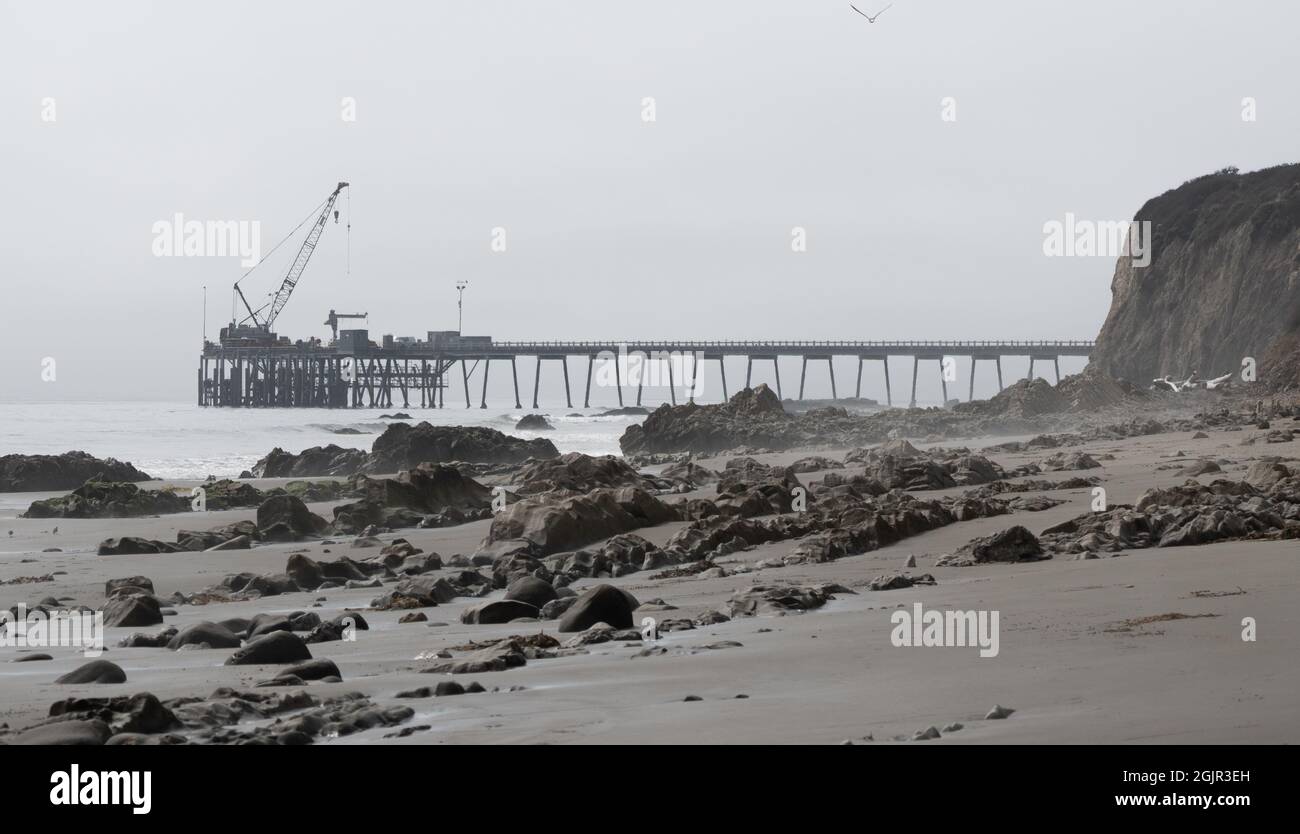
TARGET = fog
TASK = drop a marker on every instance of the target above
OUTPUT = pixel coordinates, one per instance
(529, 117)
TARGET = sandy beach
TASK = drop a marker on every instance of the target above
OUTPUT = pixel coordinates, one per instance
(1088, 652)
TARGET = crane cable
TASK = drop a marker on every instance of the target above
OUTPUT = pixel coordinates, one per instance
(278, 245)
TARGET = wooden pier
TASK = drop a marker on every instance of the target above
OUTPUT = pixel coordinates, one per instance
(353, 372)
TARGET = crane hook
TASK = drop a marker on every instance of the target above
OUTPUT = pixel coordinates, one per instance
(336, 216)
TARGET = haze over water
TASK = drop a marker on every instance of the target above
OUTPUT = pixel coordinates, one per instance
(174, 440)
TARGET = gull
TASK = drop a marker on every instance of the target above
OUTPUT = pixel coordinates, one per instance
(870, 18)
(1166, 382)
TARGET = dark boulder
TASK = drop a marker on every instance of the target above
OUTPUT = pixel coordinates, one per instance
(215, 635)
(314, 670)
(286, 518)
(500, 611)
(96, 671)
(132, 612)
(534, 422)
(601, 604)
(531, 590)
(128, 585)
(304, 571)
(130, 545)
(276, 647)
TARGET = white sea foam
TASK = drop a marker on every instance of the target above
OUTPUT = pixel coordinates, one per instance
(177, 440)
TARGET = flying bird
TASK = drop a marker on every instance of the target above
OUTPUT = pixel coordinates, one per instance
(870, 18)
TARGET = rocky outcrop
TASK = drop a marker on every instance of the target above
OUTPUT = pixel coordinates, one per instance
(576, 472)
(1015, 544)
(548, 526)
(106, 499)
(755, 420)
(900, 465)
(428, 488)
(753, 417)
(403, 446)
(286, 518)
(430, 495)
(534, 422)
(46, 473)
(1264, 506)
(228, 716)
(1093, 390)
(1023, 399)
(100, 499)
(1223, 282)
(313, 462)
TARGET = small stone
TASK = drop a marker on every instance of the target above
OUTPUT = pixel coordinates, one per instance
(997, 712)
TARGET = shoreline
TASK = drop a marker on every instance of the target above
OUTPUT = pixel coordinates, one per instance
(823, 676)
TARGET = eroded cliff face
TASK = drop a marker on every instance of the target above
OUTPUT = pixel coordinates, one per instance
(1223, 283)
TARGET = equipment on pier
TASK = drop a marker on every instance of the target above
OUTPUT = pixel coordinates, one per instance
(255, 328)
(333, 321)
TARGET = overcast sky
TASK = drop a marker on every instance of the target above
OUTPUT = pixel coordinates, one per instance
(528, 116)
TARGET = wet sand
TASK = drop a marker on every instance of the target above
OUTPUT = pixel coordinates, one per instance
(1066, 664)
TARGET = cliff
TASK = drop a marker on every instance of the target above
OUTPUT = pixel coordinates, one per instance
(1223, 283)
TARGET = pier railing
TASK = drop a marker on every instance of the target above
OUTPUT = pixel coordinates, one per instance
(310, 374)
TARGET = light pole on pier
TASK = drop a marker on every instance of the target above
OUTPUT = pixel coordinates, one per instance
(460, 305)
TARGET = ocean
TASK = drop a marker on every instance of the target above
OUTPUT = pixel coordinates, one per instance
(173, 440)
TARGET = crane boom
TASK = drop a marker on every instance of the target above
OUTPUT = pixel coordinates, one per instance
(281, 297)
(300, 262)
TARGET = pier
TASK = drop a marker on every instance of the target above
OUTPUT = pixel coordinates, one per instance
(354, 372)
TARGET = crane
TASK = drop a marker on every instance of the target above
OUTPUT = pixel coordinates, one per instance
(252, 324)
(333, 320)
